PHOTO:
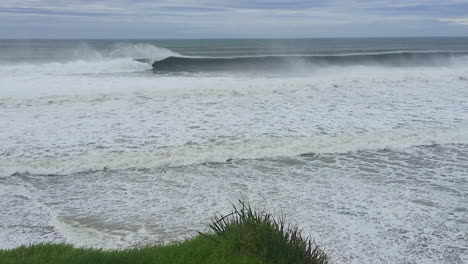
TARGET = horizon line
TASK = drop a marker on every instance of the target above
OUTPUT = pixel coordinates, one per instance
(240, 38)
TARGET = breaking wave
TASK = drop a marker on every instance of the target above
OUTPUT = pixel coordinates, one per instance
(121, 58)
(124, 57)
(280, 62)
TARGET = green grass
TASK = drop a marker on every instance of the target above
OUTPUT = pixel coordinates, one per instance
(242, 237)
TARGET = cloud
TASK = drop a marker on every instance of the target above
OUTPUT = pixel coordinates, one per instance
(221, 18)
(461, 21)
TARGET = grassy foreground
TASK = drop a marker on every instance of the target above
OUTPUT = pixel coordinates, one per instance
(244, 236)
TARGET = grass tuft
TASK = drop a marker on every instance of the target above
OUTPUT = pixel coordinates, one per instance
(268, 238)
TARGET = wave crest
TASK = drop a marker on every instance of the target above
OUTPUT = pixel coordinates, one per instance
(141, 51)
(195, 153)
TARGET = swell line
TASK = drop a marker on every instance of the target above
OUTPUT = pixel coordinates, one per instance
(272, 62)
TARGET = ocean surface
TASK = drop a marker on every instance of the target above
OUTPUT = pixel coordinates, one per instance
(363, 143)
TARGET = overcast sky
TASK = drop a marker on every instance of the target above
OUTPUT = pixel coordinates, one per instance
(231, 19)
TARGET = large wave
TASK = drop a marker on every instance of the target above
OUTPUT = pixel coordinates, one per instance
(281, 62)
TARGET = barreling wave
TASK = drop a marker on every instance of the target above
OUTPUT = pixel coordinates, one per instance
(280, 62)
(198, 153)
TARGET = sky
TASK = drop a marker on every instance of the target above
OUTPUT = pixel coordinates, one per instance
(157, 19)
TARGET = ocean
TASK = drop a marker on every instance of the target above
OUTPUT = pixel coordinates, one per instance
(363, 143)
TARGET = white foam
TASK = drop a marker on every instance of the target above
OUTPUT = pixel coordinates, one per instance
(330, 110)
(53, 82)
(149, 156)
(405, 205)
(392, 206)
(33, 71)
(81, 235)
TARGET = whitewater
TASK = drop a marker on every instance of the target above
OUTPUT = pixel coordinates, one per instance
(116, 144)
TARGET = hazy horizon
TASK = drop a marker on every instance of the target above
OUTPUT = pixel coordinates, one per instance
(236, 38)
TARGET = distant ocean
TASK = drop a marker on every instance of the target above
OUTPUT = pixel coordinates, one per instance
(361, 142)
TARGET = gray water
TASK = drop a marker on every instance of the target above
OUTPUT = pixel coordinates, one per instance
(361, 142)
(66, 50)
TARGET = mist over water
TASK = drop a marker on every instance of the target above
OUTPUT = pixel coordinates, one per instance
(361, 142)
